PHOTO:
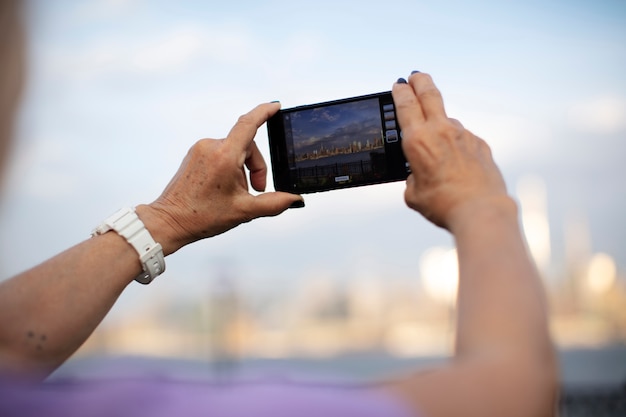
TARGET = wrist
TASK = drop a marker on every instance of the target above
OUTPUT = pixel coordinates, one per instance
(159, 224)
(482, 212)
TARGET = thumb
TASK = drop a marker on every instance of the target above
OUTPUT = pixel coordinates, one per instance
(274, 203)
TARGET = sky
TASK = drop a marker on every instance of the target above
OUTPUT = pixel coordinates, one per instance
(118, 90)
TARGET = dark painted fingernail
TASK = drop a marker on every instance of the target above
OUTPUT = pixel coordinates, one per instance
(414, 72)
(297, 204)
(275, 101)
(401, 81)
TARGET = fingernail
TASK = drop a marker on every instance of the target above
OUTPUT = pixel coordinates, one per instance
(414, 72)
(275, 101)
(297, 204)
(401, 81)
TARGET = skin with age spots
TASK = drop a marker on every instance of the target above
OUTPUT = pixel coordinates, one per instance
(32, 338)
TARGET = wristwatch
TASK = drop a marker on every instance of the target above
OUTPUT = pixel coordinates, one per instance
(128, 225)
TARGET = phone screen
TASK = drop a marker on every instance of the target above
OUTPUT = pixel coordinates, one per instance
(337, 144)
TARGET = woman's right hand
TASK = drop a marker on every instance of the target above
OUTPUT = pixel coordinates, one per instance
(452, 168)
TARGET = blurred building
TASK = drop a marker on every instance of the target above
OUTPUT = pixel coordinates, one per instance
(323, 316)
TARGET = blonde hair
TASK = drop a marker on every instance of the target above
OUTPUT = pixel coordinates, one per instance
(11, 70)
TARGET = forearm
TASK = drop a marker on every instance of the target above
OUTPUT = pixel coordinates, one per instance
(504, 363)
(501, 299)
(47, 312)
(503, 341)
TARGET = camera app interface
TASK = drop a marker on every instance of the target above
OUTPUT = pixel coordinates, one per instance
(339, 144)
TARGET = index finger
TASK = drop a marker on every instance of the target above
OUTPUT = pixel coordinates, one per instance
(428, 95)
(408, 108)
(245, 129)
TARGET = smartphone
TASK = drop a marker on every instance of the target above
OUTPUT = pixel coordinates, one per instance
(336, 144)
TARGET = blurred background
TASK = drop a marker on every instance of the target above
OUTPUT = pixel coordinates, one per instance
(355, 283)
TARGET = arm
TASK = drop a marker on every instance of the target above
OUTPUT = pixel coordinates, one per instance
(504, 363)
(46, 313)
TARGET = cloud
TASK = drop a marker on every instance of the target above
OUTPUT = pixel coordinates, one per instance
(511, 137)
(96, 10)
(43, 170)
(174, 51)
(604, 114)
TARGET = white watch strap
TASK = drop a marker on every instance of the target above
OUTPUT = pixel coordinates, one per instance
(126, 223)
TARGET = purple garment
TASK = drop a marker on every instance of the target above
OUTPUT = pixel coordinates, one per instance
(174, 398)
